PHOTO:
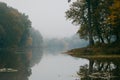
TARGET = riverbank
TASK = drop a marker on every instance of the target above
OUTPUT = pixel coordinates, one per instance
(97, 51)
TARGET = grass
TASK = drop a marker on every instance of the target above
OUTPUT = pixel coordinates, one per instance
(97, 51)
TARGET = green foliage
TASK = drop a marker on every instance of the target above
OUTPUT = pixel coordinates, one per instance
(77, 12)
(104, 16)
(12, 25)
(20, 45)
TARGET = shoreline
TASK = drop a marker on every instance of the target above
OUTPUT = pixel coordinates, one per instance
(94, 53)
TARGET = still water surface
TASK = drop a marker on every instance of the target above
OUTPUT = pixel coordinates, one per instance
(57, 67)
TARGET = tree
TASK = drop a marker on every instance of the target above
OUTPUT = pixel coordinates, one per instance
(80, 13)
(76, 13)
(13, 25)
(114, 19)
(91, 41)
(98, 20)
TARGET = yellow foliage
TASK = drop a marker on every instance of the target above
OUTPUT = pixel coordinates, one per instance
(29, 55)
(15, 13)
(115, 13)
(116, 4)
(29, 41)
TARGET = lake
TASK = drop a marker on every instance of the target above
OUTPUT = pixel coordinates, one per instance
(57, 67)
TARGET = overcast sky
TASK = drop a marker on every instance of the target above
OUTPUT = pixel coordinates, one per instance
(48, 16)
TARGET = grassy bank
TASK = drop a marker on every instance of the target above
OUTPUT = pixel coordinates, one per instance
(97, 51)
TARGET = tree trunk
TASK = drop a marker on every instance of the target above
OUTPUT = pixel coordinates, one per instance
(102, 39)
(117, 37)
(108, 39)
(91, 41)
(91, 62)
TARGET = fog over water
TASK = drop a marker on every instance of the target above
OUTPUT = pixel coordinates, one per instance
(57, 67)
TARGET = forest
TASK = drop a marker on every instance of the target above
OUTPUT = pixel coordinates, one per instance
(99, 22)
(104, 18)
(20, 44)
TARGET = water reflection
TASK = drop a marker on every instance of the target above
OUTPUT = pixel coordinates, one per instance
(15, 64)
(100, 69)
(57, 67)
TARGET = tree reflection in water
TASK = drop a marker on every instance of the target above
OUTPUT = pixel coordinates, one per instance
(100, 69)
(16, 65)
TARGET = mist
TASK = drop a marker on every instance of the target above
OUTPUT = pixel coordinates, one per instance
(46, 16)
(53, 45)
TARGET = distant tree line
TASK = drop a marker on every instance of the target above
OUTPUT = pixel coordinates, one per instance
(60, 45)
(104, 16)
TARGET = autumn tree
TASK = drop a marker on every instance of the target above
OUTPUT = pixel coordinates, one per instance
(82, 16)
(96, 19)
(13, 26)
(114, 19)
(78, 15)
